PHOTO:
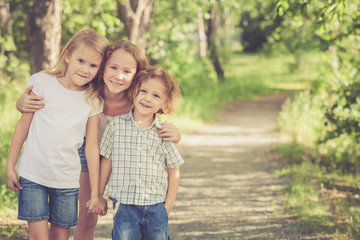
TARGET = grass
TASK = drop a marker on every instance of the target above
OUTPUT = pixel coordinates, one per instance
(325, 202)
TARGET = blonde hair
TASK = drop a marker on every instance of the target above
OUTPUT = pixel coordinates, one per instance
(139, 56)
(91, 39)
(172, 88)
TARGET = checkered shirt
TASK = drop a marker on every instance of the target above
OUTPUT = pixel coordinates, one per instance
(139, 161)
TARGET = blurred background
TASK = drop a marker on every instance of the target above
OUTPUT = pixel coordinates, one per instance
(221, 51)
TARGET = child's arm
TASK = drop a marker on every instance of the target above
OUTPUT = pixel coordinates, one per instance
(173, 184)
(20, 134)
(105, 171)
(169, 133)
(29, 102)
(93, 159)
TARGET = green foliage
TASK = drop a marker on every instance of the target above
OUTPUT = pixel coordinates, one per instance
(293, 152)
(9, 91)
(302, 118)
(12, 232)
(338, 108)
(257, 25)
(99, 15)
(8, 198)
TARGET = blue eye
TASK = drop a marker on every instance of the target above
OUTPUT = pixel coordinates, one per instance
(80, 60)
(93, 66)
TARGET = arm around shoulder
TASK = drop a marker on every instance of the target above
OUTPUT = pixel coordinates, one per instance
(29, 102)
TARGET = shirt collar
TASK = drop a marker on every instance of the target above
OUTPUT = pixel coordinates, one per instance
(128, 116)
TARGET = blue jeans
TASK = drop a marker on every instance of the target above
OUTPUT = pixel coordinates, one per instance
(130, 220)
(37, 203)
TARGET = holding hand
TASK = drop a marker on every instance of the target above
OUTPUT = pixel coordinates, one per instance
(98, 206)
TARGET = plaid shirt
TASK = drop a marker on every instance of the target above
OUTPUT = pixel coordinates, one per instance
(139, 161)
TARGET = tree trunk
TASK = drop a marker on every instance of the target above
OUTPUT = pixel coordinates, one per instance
(213, 46)
(43, 29)
(136, 16)
(202, 34)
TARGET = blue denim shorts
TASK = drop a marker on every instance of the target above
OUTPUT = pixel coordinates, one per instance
(130, 220)
(81, 151)
(37, 203)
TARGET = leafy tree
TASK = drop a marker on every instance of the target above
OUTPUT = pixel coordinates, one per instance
(337, 23)
(136, 16)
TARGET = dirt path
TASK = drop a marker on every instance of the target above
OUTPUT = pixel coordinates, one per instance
(228, 188)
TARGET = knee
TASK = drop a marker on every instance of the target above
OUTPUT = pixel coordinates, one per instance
(88, 222)
(34, 236)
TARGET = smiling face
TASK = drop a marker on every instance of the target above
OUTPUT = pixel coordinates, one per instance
(150, 99)
(119, 71)
(83, 65)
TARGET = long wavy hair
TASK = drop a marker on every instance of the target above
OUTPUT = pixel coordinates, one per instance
(139, 56)
(91, 39)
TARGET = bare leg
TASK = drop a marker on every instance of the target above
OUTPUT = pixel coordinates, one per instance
(58, 233)
(38, 230)
(86, 222)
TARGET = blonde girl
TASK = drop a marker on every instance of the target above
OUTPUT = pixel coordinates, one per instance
(49, 168)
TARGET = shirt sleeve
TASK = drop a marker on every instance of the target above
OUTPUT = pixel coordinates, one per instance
(107, 140)
(172, 155)
(34, 80)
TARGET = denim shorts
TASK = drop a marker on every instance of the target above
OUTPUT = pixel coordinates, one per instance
(130, 220)
(58, 206)
(81, 151)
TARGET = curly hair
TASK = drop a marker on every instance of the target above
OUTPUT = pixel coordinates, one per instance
(172, 87)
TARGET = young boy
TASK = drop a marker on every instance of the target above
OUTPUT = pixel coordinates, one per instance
(144, 169)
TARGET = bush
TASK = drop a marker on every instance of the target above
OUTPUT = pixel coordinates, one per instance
(302, 118)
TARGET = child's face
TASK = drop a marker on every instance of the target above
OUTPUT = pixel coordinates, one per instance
(83, 65)
(151, 97)
(119, 71)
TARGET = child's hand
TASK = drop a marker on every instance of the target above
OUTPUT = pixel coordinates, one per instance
(168, 209)
(12, 180)
(29, 102)
(92, 205)
(102, 207)
(168, 132)
(97, 205)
